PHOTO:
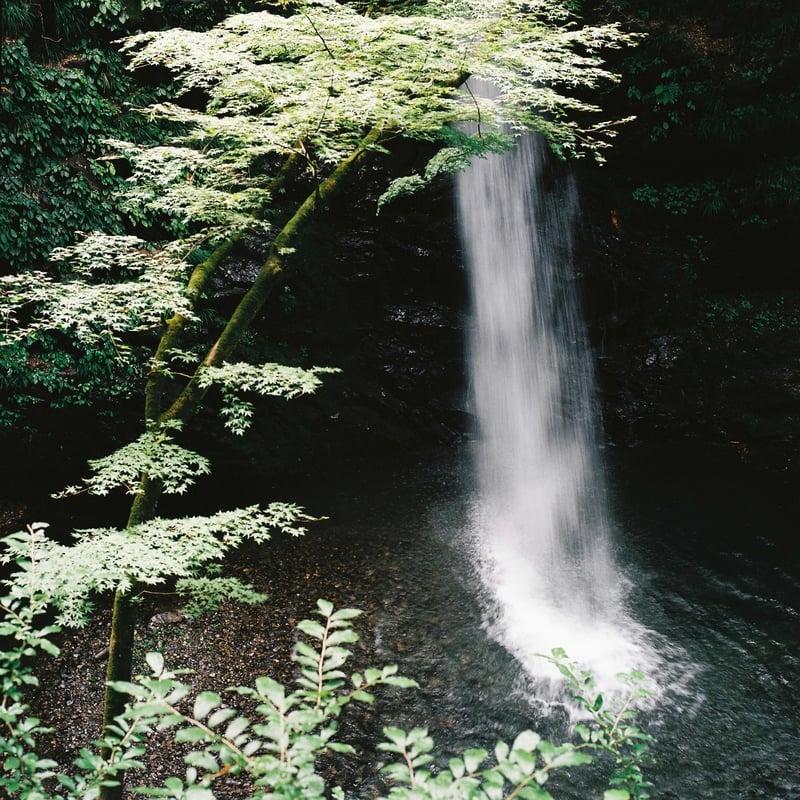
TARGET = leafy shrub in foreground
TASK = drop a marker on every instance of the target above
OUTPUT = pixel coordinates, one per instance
(278, 746)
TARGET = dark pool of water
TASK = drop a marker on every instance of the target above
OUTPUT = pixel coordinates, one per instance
(714, 552)
(714, 564)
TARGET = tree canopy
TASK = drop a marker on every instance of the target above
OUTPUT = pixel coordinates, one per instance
(250, 118)
(310, 79)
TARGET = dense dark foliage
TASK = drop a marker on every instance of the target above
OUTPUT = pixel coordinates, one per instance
(692, 299)
(64, 93)
(697, 306)
(54, 116)
(711, 162)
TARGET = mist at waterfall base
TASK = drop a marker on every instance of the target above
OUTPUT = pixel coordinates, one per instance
(540, 532)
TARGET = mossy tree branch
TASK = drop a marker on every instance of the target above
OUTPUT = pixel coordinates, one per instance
(175, 326)
(274, 270)
(279, 263)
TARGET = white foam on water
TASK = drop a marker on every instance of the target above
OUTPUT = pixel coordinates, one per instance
(525, 610)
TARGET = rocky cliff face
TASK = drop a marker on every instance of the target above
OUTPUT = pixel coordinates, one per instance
(677, 359)
(384, 299)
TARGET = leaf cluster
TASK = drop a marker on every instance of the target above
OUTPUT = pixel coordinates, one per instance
(108, 285)
(107, 559)
(65, 92)
(280, 746)
(75, 335)
(612, 729)
(206, 593)
(299, 83)
(517, 770)
(279, 740)
(57, 20)
(154, 454)
(264, 380)
(24, 772)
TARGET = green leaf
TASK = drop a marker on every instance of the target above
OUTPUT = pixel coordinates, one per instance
(525, 759)
(395, 735)
(156, 662)
(202, 760)
(190, 735)
(346, 636)
(341, 747)
(219, 716)
(49, 647)
(306, 654)
(345, 614)
(325, 607)
(527, 740)
(252, 747)
(616, 794)
(274, 692)
(198, 793)
(126, 687)
(456, 767)
(533, 792)
(474, 758)
(571, 758)
(236, 727)
(311, 628)
(401, 682)
(204, 703)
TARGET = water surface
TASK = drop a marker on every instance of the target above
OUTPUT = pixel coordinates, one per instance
(714, 567)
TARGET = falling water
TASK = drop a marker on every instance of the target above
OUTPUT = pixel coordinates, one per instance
(542, 532)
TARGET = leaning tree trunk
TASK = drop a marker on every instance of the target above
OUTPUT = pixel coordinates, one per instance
(276, 268)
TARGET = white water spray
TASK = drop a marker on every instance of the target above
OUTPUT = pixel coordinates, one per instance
(542, 532)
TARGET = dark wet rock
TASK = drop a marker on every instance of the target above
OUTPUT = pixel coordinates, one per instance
(171, 616)
(706, 384)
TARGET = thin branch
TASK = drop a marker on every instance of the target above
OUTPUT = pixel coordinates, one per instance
(194, 292)
(412, 782)
(477, 107)
(319, 35)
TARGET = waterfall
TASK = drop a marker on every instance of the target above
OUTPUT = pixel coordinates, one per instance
(542, 534)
